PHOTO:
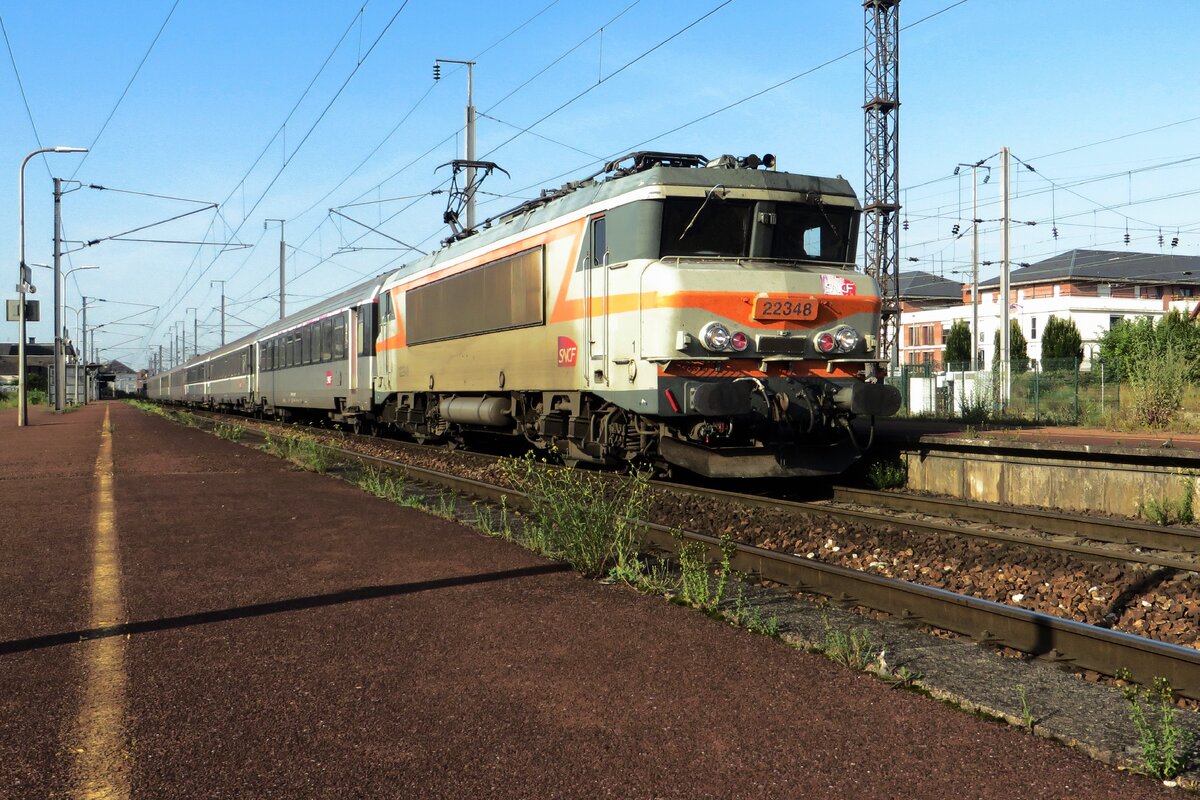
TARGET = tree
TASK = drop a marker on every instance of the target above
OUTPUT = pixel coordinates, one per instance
(958, 345)
(1061, 342)
(1018, 353)
(1129, 344)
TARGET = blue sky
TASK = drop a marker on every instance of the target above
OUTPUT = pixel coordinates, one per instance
(1049, 79)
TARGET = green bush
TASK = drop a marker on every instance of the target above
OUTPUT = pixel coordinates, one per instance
(1155, 385)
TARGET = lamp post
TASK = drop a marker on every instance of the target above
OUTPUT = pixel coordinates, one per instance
(84, 344)
(24, 285)
(60, 384)
(60, 335)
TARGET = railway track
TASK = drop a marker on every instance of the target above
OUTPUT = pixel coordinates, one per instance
(997, 524)
(1066, 642)
(1099, 529)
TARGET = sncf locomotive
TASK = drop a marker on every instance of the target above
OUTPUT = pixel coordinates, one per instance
(669, 310)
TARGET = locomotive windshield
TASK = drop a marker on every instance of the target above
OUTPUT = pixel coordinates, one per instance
(711, 226)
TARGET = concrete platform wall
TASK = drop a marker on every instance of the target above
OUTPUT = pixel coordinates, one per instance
(1032, 479)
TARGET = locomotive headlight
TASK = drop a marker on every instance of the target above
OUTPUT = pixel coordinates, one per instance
(825, 342)
(715, 336)
(739, 341)
(847, 338)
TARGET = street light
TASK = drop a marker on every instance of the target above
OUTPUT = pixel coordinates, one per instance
(24, 285)
(60, 335)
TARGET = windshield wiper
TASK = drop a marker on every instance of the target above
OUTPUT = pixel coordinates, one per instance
(696, 216)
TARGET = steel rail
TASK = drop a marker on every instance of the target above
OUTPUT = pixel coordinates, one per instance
(875, 519)
(1070, 643)
(1095, 528)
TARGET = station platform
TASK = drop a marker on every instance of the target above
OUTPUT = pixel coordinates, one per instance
(186, 617)
(915, 431)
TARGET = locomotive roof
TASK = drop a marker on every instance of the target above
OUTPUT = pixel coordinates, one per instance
(580, 194)
(650, 169)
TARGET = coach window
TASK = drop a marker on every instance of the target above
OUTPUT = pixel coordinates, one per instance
(327, 339)
(367, 329)
(338, 335)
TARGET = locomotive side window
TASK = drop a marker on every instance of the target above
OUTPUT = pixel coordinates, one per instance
(599, 242)
(507, 293)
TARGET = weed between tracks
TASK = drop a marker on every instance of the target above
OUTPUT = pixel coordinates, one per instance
(301, 451)
(1172, 512)
(1166, 745)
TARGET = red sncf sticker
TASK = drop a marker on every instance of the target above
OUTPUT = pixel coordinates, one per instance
(568, 352)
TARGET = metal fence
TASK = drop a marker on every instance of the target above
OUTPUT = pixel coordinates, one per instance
(1053, 391)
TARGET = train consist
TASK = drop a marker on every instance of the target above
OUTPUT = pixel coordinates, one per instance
(668, 310)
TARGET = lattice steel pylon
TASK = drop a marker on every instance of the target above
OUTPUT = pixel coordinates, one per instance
(881, 189)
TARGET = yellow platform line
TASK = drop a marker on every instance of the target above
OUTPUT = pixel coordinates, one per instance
(100, 742)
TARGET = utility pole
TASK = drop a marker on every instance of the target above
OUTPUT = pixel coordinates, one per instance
(975, 365)
(183, 341)
(1005, 344)
(83, 305)
(210, 283)
(976, 362)
(195, 331)
(282, 267)
(60, 378)
(469, 133)
(881, 201)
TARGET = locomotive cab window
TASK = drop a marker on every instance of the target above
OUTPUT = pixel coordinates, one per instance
(713, 227)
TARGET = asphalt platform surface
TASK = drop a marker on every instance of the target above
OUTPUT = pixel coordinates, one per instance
(282, 635)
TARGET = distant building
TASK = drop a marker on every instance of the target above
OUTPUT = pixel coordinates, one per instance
(1094, 288)
(920, 292)
(118, 378)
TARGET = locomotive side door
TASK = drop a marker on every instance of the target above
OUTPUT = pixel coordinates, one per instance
(595, 291)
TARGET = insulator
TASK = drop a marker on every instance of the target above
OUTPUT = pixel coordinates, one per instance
(1126, 238)
(437, 72)
(1174, 241)
(955, 229)
(905, 225)
(1054, 231)
(1160, 240)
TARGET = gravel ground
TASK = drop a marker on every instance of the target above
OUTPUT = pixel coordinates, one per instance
(302, 640)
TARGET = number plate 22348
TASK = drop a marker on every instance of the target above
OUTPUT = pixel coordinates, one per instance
(786, 307)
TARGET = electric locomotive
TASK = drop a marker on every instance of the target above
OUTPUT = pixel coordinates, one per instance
(668, 310)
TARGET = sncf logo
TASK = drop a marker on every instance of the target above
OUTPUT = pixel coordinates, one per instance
(568, 352)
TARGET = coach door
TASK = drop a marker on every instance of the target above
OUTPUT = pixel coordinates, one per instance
(595, 315)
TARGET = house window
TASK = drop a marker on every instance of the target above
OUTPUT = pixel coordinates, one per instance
(1113, 320)
(1033, 328)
